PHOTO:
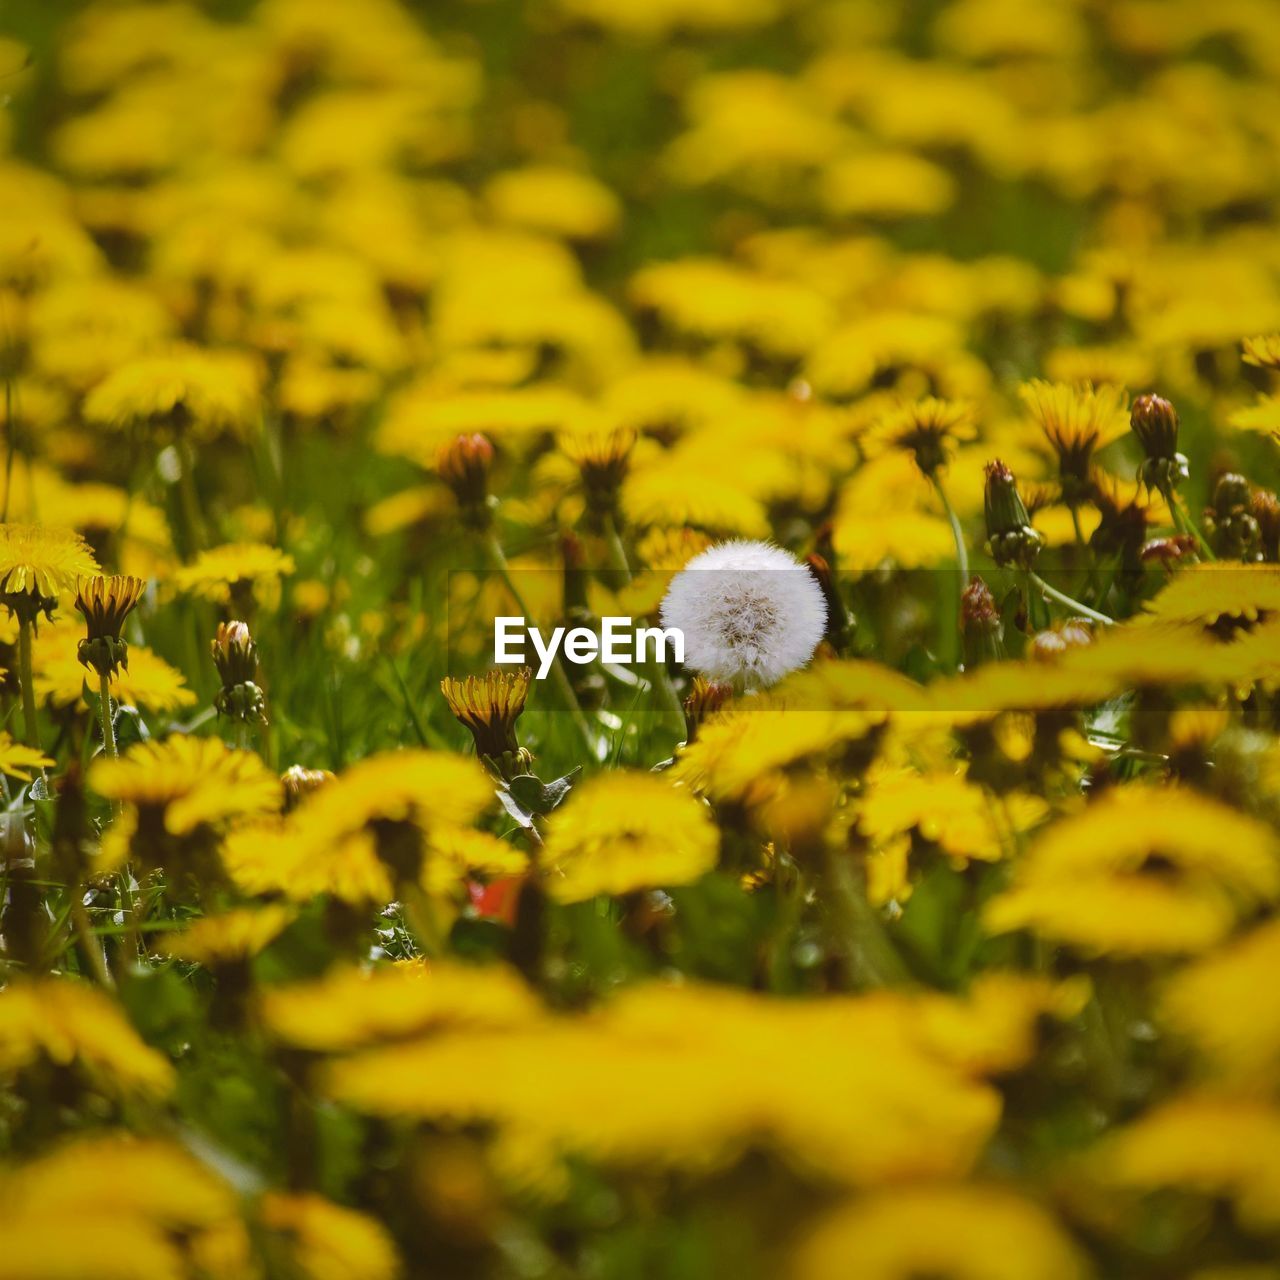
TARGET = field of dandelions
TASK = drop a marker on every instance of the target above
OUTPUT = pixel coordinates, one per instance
(920, 361)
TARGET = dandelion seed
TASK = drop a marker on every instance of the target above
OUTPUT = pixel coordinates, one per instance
(749, 613)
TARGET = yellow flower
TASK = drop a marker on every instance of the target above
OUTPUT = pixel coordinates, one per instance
(619, 832)
(20, 761)
(188, 782)
(1143, 870)
(233, 935)
(328, 1242)
(42, 562)
(143, 1210)
(1226, 1005)
(947, 810)
(220, 572)
(1263, 352)
(149, 681)
(354, 836)
(845, 1087)
(557, 201)
(709, 299)
(351, 1008)
(69, 1023)
(183, 390)
(970, 1232)
(1206, 1145)
(927, 429)
(736, 751)
(1203, 593)
(1076, 421)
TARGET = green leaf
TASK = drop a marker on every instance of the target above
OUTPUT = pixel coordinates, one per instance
(527, 796)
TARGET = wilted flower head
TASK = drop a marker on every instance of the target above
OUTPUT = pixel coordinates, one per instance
(464, 464)
(749, 613)
(982, 629)
(105, 604)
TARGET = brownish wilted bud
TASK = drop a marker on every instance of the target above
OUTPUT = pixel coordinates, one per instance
(1074, 633)
(1229, 521)
(1155, 422)
(1168, 552)
(981, 626)
(1011, 538)
(464, 465)
(105, 603)
(1266, 511)
(705, 698)
(489, 706)
(299, 783)
(236, 656)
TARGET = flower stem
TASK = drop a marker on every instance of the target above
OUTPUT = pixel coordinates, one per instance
(1067, 601)
(658, 674)
(869, 956)
(562, 680)
(1183, 522)
(108, 724)
(26, 679)
(962, 554)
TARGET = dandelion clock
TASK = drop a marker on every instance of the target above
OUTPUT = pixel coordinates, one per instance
(749, 613)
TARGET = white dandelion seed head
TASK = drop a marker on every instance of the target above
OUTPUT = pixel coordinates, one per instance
(749, 611)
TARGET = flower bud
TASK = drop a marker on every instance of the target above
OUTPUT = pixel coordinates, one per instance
(1230, 523)
(299, 783)
(464, 465)
(705, 698)
(1155, 422)
(1010, 536)
(1266, 511)
(236, 656)
(982, 629)
(1167, 552)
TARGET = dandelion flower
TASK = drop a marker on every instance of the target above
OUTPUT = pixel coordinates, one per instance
(20, 761)
(39, 563)
(327, 1241)
(749, 613)
(621, 832)
(1076, 420)
(223, 572)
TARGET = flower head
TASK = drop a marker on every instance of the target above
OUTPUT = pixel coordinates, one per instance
(464, 464)
(602, 458)
(928, 430)
(105, 604)
(749, 613)
(1075, 420)
(1264, 352)
(489, 707)
(38, 563)
(620, 832)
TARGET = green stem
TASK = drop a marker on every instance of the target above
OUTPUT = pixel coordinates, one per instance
(962, 554)
(1067, 601)
(108, 723)
(189, 499)
(557, 670)
(659, 677)
(869, 956)
(28, 685)
(1183, 522)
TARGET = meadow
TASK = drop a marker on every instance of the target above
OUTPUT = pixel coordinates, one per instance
(919, 364)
